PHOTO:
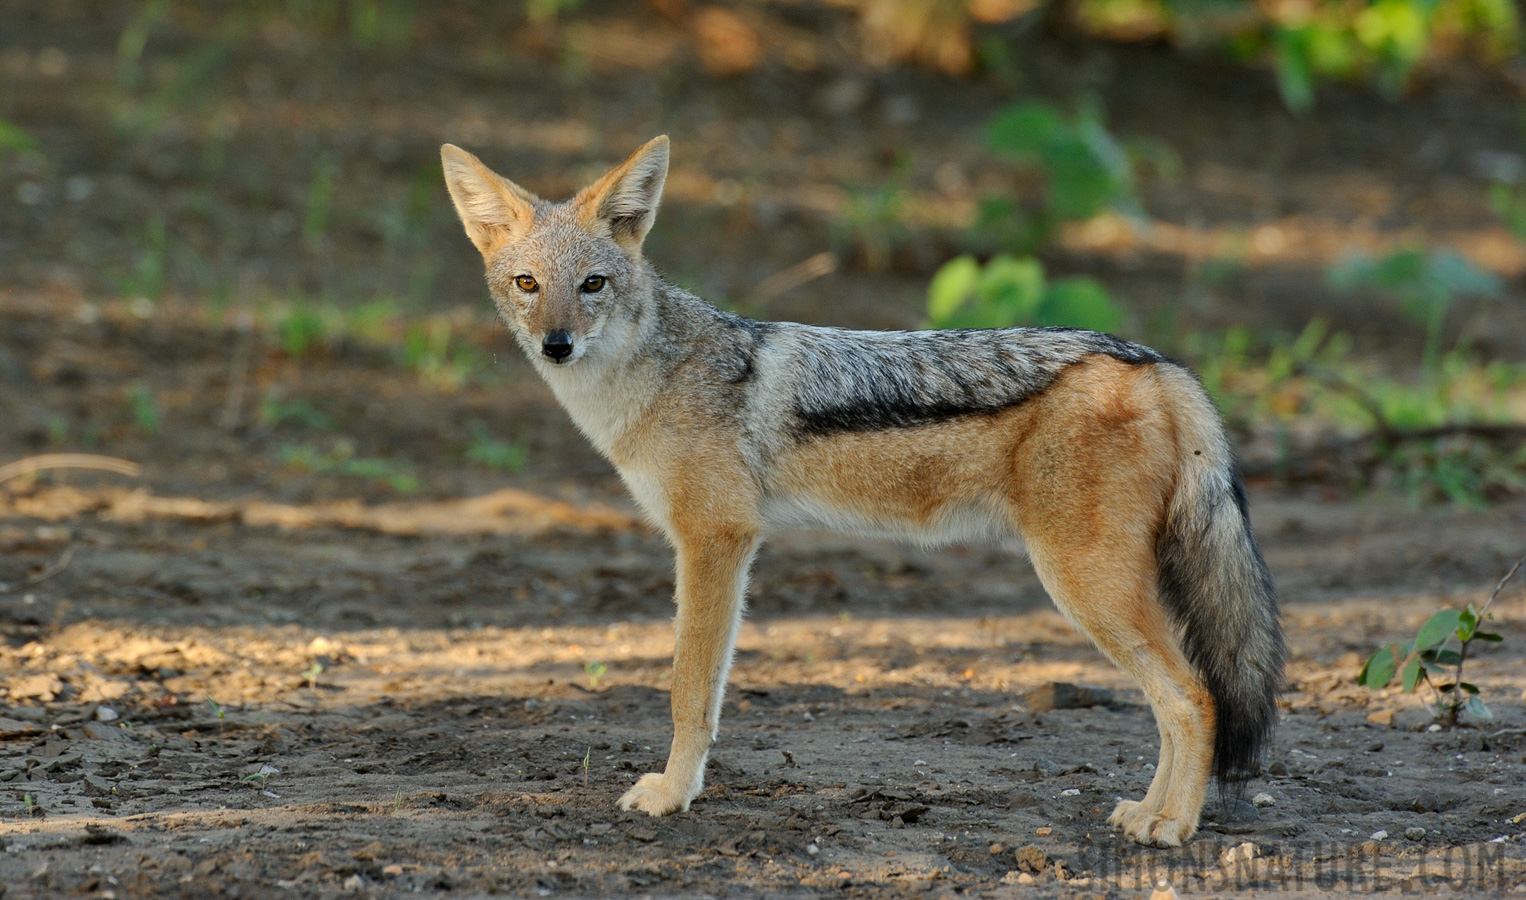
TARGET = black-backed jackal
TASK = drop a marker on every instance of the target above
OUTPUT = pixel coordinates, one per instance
(1105, 457)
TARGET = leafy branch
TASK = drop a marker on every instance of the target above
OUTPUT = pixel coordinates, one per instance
(1415, 662)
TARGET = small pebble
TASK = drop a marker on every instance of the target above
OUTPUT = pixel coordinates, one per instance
(1433, 728)
(1070, 792)
(1263, 799)
(812, 849)
(106, 714)
(1379, 836)
(1415, 834)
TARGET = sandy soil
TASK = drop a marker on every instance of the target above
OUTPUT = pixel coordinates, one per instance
(239, 684)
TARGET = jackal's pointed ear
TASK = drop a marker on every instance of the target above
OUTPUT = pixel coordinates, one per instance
(625, 200)
(494, 209)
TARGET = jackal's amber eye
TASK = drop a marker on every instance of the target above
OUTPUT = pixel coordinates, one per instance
(526, 284)
(593, 284)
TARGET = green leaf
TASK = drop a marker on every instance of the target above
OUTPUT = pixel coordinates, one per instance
(1468, 686)
(1023, 130)
(1079, 303)
(1379, 670)
(951, 287)
(1467, 623)
(1489, 636)
(1079, 184)
(1295, 81)
(1475, 705)
(15, 138)
(1437, 629)
(1409, 676)
(1456, 274)
(1444, 657)
(1010, 290)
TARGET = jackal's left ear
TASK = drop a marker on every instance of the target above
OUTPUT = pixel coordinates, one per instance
(494, 209)
(626, 199)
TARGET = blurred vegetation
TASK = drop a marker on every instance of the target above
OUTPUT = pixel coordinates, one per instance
(1383, 42)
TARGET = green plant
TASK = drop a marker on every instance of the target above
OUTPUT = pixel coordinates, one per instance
(595, 670)
(14, 140)
(216, 708)
(874, 220)
(145, 412)
(381, 24)
(261, 777)
(441, 362)
(301, 328)
(1014, 291)
(320, 198)
(278, 410)
(1416, 661)
(549, 10)
(1070, 168)
(1426, 283)
(489, 451)
(587, 759)
(311, 673)
(146, 278)
(340, 459)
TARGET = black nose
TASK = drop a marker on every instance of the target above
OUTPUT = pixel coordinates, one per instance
(557, 345)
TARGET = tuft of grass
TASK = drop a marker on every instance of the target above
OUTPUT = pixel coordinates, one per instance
(340, 459)
(150, 266)
(276, 409)
(489, 451)
(145, 411)
(320, 198)
(441, 361)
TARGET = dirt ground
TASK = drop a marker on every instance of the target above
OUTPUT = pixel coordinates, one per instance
(494, 650)
(236, 676)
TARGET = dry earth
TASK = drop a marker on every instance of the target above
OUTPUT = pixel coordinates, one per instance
(225, 678)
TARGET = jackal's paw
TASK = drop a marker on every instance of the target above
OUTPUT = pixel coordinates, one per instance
(1151, 828)
(656, 794)
(1124, 813)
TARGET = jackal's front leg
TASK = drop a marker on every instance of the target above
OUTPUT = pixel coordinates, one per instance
(712, 577)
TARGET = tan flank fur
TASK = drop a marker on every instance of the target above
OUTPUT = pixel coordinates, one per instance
(1107, 459)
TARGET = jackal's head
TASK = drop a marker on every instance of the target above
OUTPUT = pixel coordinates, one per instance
(563, 275)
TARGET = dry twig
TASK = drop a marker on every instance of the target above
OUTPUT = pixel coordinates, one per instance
(30, 464)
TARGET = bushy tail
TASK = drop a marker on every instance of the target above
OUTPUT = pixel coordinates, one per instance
(1219, 592)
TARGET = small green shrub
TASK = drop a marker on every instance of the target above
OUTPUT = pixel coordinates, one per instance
(1011, 291)
(1426, 284)
(300, 329)
(1426, 657)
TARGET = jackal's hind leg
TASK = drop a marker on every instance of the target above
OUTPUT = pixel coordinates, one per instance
(1111, 596)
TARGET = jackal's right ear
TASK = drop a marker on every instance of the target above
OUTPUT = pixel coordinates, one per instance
(495, 210)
